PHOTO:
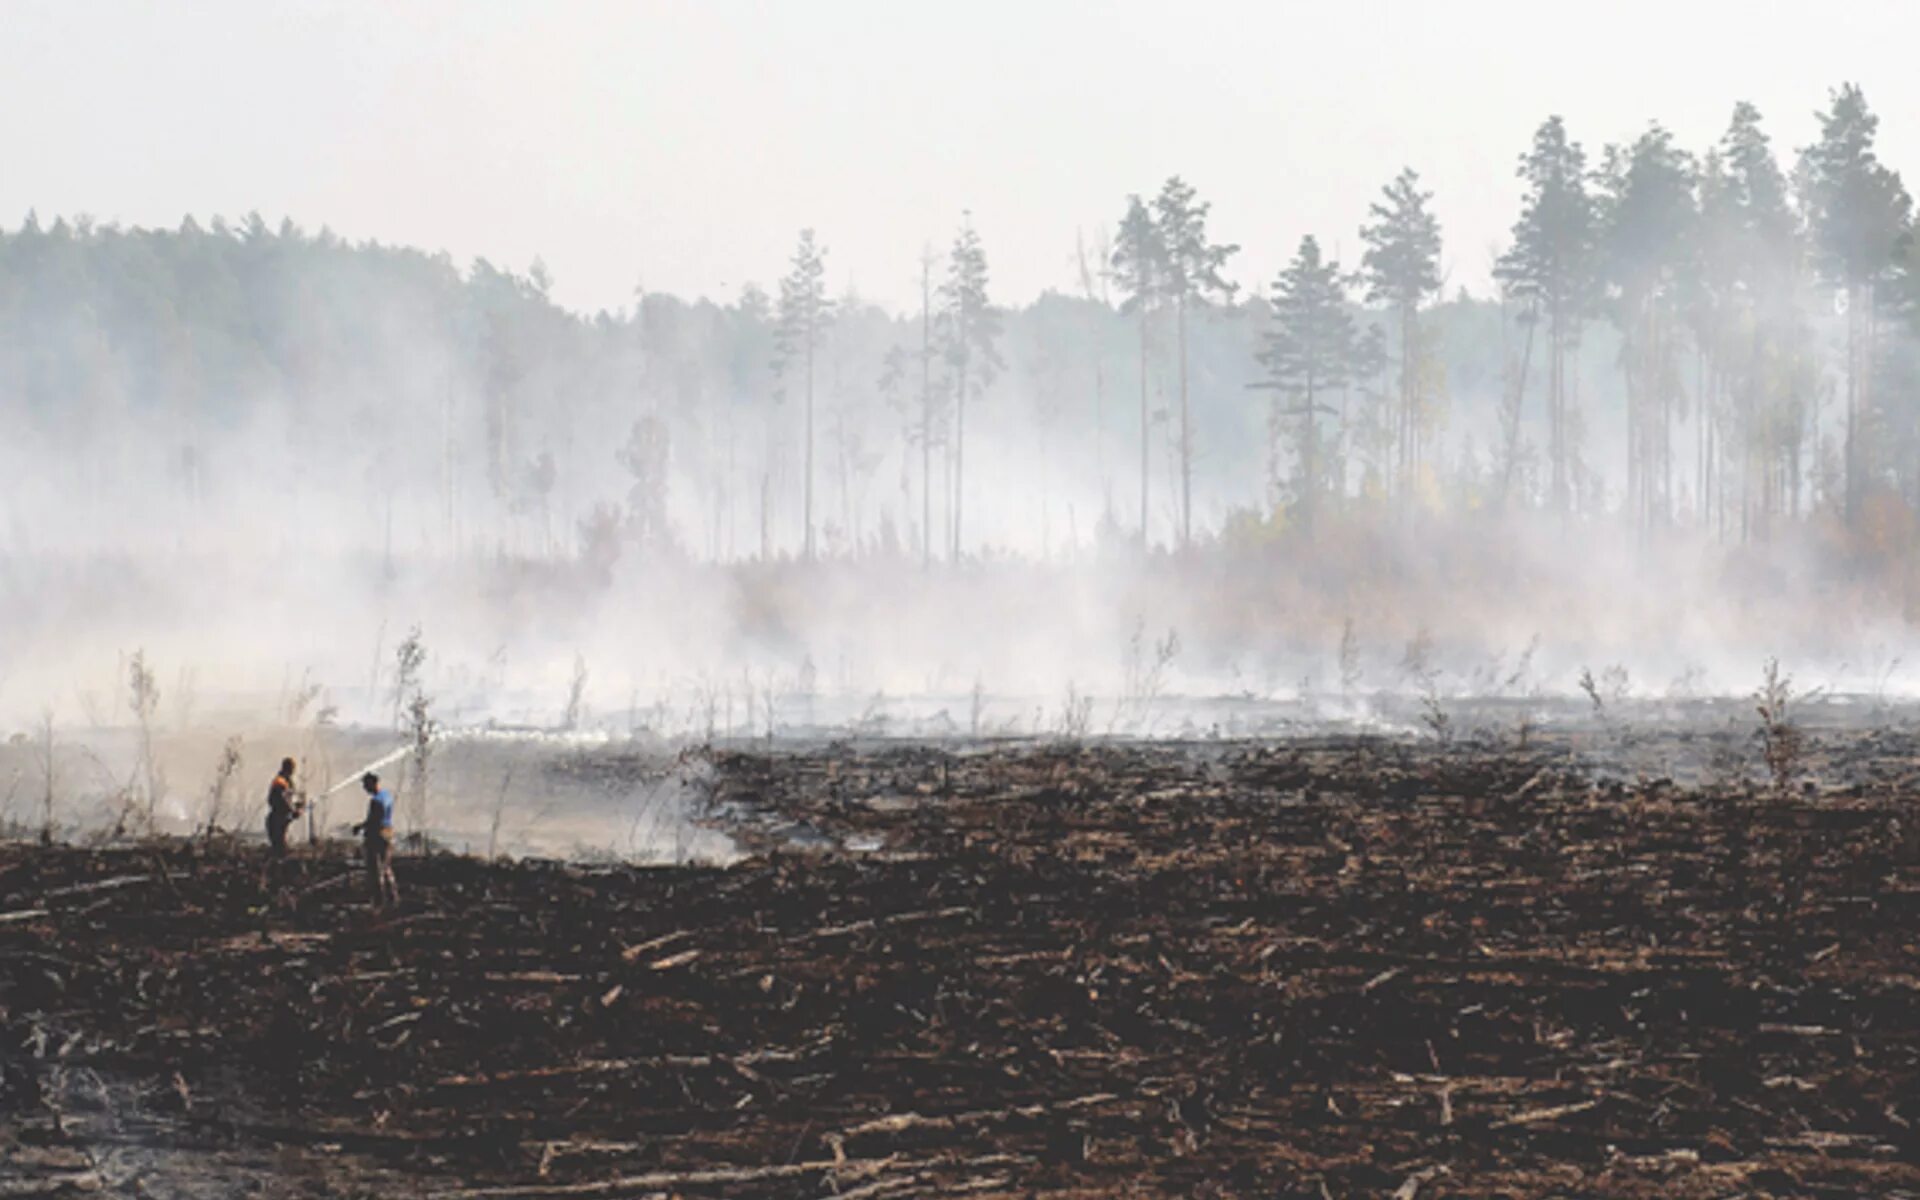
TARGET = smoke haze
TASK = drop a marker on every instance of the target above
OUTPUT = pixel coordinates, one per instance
(871, 450)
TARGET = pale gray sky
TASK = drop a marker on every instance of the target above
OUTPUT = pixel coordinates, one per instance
(684, 144)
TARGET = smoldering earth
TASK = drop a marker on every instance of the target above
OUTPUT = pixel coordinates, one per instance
(1427, 629)
(1003, 644)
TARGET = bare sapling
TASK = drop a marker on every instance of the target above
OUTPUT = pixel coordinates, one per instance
(707, 708)
(1144, 677)
(1608, 695)
(143, 695)
(499, 815)
(576, 696)
(318, 770)
(408, 661)
(874, 720)
(768, 703)
(1592, 690)
(1523, 729)
(373, 674)
(1687, 685)
(1781, 742)
(752, 697)
(807, 687)
(1519, 680)
(1349, 659)
(7, 823)
(185, 693)
(223, 773)
(1882, 677)
(1417, 662)
(47, 767)
(1433, 714)
(977, 704)
(1617, 683)
(421, 728)
(299, 700)
(91, 705)
(1076, 714)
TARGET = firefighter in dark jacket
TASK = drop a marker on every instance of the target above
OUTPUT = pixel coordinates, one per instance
(283, 805)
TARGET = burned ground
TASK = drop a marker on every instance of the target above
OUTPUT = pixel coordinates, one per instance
(1317, 969)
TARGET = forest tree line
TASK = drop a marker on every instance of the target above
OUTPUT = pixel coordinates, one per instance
(1719, 338)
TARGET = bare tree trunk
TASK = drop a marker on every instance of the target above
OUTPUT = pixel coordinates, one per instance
(1100, 427)
(959, 452)
(1276, 428)
(1186, 436)
(1309, 485)
(1046, 497)
(446, 458)
(1666, 443)
(1704, 444)
(766, 513)
(926, 407)
(1519, 405)
(47, 770)
(1852, 488)
(1409, 432)
(1144, 435)
(926, 482)
(727, 481)
(807, 510)
(1635, 373)
(1554, 456)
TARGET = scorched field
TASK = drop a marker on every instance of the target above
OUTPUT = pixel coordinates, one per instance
(1333, 967)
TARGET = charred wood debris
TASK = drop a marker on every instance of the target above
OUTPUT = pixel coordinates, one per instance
(1320, 969)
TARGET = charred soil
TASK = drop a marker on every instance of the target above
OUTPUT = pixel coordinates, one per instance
(1318, 969)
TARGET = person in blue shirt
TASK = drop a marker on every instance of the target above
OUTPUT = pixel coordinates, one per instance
(377, 834)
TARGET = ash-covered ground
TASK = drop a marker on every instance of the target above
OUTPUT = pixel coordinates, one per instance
(1609, 957)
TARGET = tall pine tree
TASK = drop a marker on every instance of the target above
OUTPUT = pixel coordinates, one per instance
(1309, 352)
(805, 313)
(1647, 237)
(1139, 268)
(1550, 270)
(1859, 211)
(1193, 280)
(970, 329)
(1401, 270)
(1758, 343)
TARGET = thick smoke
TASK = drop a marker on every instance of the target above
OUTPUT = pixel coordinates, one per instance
(261, 457)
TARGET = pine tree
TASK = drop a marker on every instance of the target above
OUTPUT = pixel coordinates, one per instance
(749, 332)
(805, 313)
(970, 327)
(1550, 270)
(1745, 293)
(1401, 269)
(1139, 268)
(1309, 351)
(1859, 211)
(1193, 280)
(1647, 234)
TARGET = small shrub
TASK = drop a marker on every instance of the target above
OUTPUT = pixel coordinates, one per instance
(1781, 743)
